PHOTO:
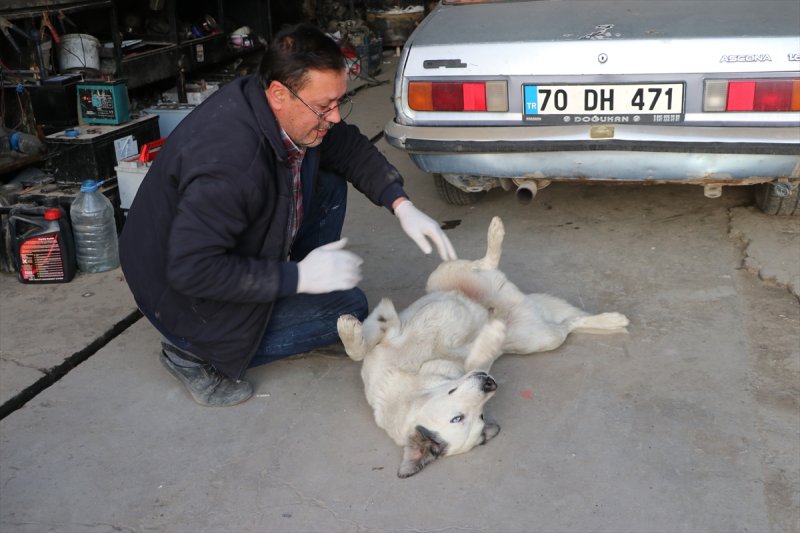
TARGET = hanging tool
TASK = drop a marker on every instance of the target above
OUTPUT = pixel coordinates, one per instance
(5, 26)
(47, 25)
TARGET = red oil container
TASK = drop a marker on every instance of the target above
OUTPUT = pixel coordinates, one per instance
(44, 251)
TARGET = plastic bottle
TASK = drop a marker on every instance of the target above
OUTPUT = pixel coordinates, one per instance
(96, 246)
(42, 242)
(25, 143)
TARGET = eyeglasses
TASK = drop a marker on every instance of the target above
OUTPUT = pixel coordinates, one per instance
(344, 105)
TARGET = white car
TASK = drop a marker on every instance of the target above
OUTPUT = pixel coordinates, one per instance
(518, 93)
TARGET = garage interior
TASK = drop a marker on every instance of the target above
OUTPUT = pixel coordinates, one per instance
(138, 67)
(689, 422)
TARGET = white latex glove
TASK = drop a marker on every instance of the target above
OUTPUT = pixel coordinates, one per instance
(420, 227)
(328, 268)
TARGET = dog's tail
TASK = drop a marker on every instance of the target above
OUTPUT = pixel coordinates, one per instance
(602, 323)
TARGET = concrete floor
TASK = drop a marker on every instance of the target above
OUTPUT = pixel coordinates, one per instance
(689, 423)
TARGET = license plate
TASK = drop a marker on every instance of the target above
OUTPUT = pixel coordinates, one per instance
(620, 104)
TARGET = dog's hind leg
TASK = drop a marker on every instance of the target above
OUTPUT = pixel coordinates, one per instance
(539, 338)
(545, 336)
(487, 347)
(494, 245)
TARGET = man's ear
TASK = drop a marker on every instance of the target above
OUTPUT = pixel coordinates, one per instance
(423, 447)
(276, 94)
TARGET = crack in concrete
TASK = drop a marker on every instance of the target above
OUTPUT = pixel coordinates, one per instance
(320, 504)
(323, 505)
(22, 365)
(751, 263)
(69, 526)
(54, 374)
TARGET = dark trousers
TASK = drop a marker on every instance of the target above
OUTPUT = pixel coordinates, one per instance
(302, 322)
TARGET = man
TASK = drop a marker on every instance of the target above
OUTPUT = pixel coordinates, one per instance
(232, 247)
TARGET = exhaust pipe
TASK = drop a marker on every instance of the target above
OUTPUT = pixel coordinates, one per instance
(712, 190)
(526, 192)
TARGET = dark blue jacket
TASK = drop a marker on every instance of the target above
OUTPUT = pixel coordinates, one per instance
(205, 244)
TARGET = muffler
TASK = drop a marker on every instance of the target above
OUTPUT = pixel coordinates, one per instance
(526, 192)
(527, 188)
(712, 190)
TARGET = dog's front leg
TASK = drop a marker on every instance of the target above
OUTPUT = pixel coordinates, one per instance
(351, 333)
(360, 338)
(487, 347)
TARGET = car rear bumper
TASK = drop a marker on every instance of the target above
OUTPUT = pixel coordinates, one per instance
(664, 154)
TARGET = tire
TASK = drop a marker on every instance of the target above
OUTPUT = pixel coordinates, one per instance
(452, 194)
(772, 204)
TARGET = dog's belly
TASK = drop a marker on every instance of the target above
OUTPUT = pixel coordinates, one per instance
(440, 324)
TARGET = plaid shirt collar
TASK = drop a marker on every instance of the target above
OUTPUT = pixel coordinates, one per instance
(294, 151)
(295, 162)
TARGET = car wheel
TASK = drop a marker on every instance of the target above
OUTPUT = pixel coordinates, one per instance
(772, 198)
(452, 194)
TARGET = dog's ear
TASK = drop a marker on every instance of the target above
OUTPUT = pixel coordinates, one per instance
(490, 431)
(423, 447)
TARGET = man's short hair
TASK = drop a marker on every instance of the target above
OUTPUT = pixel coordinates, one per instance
(294, 51)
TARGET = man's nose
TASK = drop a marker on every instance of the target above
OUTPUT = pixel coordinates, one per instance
(333, 116)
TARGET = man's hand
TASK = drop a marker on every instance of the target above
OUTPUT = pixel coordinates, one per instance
(420, 227)
(328, 268)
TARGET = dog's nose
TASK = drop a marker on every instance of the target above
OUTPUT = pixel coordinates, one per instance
(489, 384)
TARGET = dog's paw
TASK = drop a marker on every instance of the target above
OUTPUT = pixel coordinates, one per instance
(487, 347)
(348, 327)
(496, 229)
(350, 332)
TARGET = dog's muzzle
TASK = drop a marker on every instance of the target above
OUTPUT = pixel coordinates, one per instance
(489, 384)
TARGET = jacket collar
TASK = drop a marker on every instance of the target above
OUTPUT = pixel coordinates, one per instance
(264, 116)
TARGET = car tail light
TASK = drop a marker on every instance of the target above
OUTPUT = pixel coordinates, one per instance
(752, 95)
(458, 96)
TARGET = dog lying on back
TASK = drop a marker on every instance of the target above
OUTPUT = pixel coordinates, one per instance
(426, 369)
(534, 322)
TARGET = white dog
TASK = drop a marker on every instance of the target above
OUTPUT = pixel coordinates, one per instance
(425, 370)
(534, 322)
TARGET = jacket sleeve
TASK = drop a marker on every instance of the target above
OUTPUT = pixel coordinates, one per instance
(202, 261)
(348, 152)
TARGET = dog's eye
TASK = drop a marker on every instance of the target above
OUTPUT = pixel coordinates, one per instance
(451, 391)
(456, 419)
(481, 416)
